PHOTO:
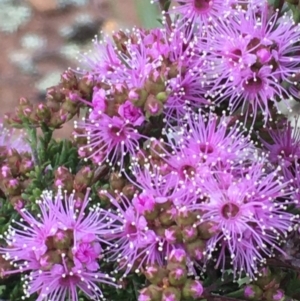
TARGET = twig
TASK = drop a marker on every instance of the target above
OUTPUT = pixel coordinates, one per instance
(162, 4)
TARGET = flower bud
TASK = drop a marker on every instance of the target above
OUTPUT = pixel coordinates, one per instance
(252, 292)
(58, 119)
(207, 230)
(5, 171)
(153, 107)
(264, 277)
(69, 80)
(63, 239)
(86, 84)
(189, 233)
(171, 294)
(157, 149)
(50, 258)
(155, 274)
(192, 289)
(155, 84)
(185, 217)
(42, 113)
(166, 217)
(129, 191)
(162, 96)
(150, 293)
(177, 256)
(17, 202)
(178, 276)
(104, 199)
(54, 95)
(26, 166)
(138, 97)
(116, 181)
(83, 178)
(70, 105)
(78, 199)
(63, 178)
(195, 249)
(12, 186)
(274, 295)
(173, 234)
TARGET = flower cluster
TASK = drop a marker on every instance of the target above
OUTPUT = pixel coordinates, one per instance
(59, 248)
(182, 181)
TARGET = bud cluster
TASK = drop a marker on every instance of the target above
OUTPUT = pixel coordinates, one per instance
(266, 287)
(77, 184)
(15, 167)
(171, 282)
(61, 103)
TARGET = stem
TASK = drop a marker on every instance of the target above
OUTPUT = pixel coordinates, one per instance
(33, 144)
(162, 4)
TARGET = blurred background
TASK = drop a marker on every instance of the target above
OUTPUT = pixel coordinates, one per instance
(39, 39)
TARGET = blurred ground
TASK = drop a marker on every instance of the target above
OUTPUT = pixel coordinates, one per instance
(39, 39)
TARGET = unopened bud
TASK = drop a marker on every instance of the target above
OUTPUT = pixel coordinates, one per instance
(207, 230)
(192, 289)
(62, 239)
(162, 96)
(129, 190)
(178, 276)
(178, 256)
(155, 84)
(252, 292)
(83, 178)
(153, 106)
(55, 95)
(26, 166)
(63, 178)
(69, 80)
(116, 181)
(58, 119)
(173, 234)
(155, 274)
(42, 112)
(264, 277)
(195, 249)
(12, 187)
(171, 294)
(189, 233)
(186, 218)
(138, 97)
(86, 84)
(17, 202)
(150, 293)
(275, 295)
(50, 258)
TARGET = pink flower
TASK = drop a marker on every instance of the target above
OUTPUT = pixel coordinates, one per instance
(99, 104)
(59, 249)
(143, 202)
(131, 113)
